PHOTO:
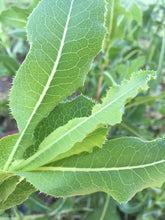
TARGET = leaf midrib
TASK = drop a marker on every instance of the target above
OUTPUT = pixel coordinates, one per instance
(102, 169)
(44, 91)
(17, 20)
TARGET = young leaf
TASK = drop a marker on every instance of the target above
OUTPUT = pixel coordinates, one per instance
(121, 168)
(65, 36)
(109, 112)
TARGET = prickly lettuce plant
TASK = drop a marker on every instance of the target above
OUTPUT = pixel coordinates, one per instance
(61, 148)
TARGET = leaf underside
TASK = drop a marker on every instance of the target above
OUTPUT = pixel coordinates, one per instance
(121, 168)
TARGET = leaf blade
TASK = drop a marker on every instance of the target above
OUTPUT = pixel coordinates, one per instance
(118, 169)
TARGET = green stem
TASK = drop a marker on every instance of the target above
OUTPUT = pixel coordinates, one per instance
(105, 207)
(161, 59)
(110, 77)
(58, 208)
(148, 99)
(131, 130)
(132, 53)
(39, 204)
(99, 83)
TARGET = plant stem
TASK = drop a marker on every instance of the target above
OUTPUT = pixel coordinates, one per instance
(111, 78)
(123, 124)
(131, 54)
(100, 83)
(105, 207)
(58, 208)
(161, 59)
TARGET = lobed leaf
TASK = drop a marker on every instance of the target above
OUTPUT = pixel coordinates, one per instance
(121, 168)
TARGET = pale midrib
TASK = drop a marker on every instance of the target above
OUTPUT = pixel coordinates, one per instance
(36, 155)
(102, 169)
(17, 20)
(44, 91)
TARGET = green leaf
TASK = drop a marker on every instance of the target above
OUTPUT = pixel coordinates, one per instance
(95, 138)
(60, 57)
(78, 107)
(121, 168)
(109, 112)
(10, 64)
(13, 190)
(116, 20)
(6, 145)
(8, 186)
(66, 111)
(17, 17)
(135, 11)
(126, 69)
(109, 23)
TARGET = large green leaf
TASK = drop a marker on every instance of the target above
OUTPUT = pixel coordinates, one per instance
(121, 168)
(109, 112)
(65, 36)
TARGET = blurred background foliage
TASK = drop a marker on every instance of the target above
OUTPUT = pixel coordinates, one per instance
(136, 40)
